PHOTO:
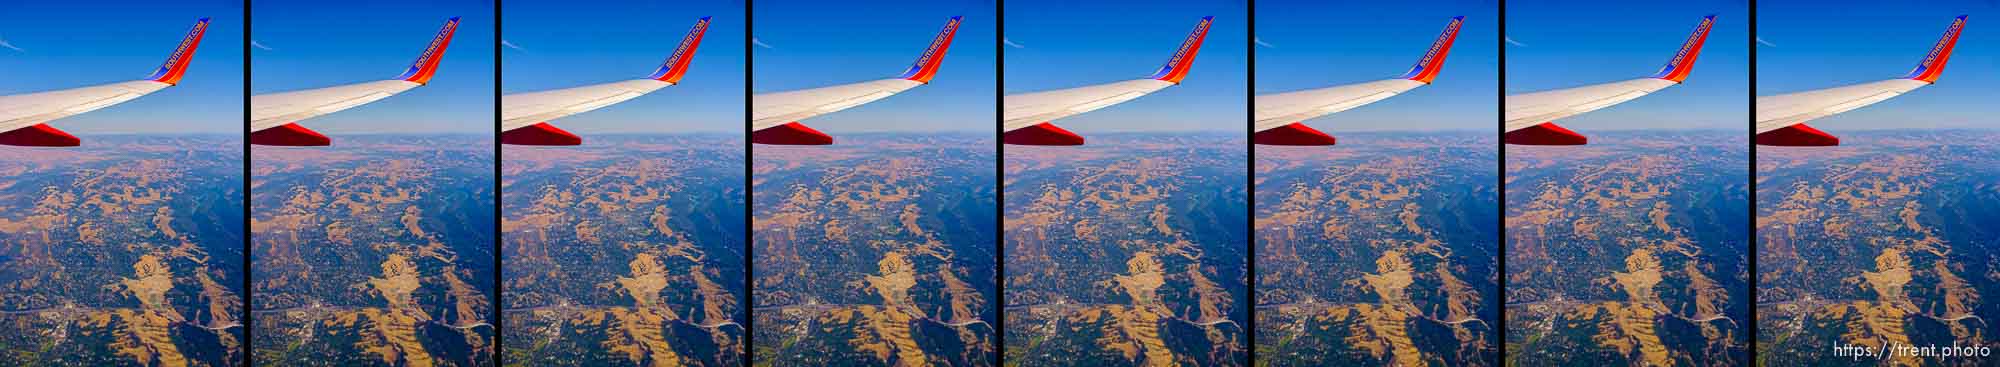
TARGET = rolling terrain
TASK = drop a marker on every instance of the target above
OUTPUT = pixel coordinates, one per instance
(1130, 251)
(1884, 240)
(1629, 250)
(1379, 251)
(125, 251)
(376, 251)
(876, 251)
(626, 251)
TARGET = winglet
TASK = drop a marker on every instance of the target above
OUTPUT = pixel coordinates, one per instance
(1427, 67)
(426, 65)
(170, 72)
(1677, 69)
(927, 65)
(677, 64)
(1177, 66)
(1933, 64)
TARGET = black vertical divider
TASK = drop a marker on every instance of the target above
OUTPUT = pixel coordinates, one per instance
(1750, 256)
(499, 244)
(249, 322)
(1000, 183)
(1250, 182)
(749, 197)
(1500, 183)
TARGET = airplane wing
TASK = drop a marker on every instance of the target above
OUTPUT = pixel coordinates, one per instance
(1279, 115)
(1530, 116)
(24, 117)
(274, 117)
(1781, 119)
(774, 116)
(1026, 117)
(524, 116)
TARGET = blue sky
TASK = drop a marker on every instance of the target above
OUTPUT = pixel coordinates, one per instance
(560, 45)
(53, 45)
(1067, 43)
(313, 44)
(809, 44)
(1815, 45)
(1303, 48)
(1561, 44)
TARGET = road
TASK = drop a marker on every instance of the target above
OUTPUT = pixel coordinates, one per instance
(815, 309)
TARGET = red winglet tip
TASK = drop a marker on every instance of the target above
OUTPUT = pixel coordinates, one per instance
(1798, 135)
(1932, 66)
(1547, 133)
(425, 67)
(927, 64)
(39, 135)
(1176, 68)
(1295, 134)
(289, 135)
(1042, 134)
(1682, 64)
(170, 72)
(677, 63)
(540, 134)
(1427, 68)
(791, 133)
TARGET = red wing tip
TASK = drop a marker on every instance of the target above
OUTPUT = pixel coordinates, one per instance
(677, 63)
(1294, 134)
(1176, 68)
(1547, 133)
(425, 67)
(39, 135)
(1042, 134)
(1797, 135)
(926, 66)
(289, 135)
(540, 134)
(791, 133)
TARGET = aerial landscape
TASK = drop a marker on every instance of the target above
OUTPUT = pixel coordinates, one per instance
(1128, 252)
(1381, 247)
(1629, 249)
(627, 251)
(877, 251)
(378, 251)
(1379, 251)
(1880, 241)
(126, 253)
